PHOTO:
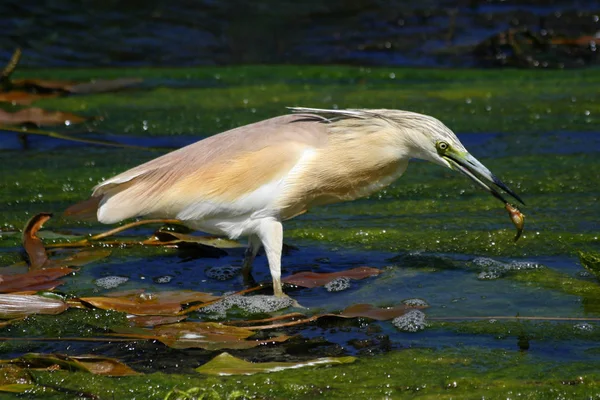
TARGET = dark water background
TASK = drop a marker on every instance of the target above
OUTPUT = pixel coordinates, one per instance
(374, 32)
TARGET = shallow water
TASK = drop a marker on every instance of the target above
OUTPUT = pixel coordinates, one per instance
(428, 232)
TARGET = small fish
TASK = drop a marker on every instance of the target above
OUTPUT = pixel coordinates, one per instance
(517, 218)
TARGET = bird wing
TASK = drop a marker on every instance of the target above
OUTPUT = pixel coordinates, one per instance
(213, 173)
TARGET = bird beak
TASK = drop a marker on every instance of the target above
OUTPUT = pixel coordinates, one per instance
(471, 167)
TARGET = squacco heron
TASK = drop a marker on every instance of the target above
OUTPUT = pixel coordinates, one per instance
(248, 180)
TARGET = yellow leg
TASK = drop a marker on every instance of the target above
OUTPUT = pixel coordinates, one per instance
(271, 236)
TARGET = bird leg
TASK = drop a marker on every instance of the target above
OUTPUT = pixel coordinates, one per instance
(254, 245)
(271, 235)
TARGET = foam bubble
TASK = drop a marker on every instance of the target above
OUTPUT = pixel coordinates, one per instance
(415, 303)
(222, 272)
(412, 321)
(163, 279)
(338, 284)
(584, 327)
(111, 282)
(496, 269)
(258, 304)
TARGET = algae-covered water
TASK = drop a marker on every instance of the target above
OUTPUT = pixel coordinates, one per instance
(435, 236)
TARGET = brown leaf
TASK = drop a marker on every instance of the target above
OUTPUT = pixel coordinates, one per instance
(17, 97)
(148, 321)
(32, 244)
(94, 364)
(167, 237)
(379, 314)
(20, 282)
(315, 279)
(39, 117)
(204, 335)
(16, 306)
(160, 303)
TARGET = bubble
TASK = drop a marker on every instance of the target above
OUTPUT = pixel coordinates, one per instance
(222, 272)
(259, 304)
(163, 279)
(495, 269)
(584, 327)
(415, 303)
(338, 284)
(412, 321)
(110, 282)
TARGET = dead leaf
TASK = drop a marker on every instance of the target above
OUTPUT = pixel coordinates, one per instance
(160, 303)
(148, 321)
(32, 244)
(370, 311)
(315, 279)
(40, 117)
(168, 237)
(203, 335)
(21, 282)
(90, 363)
(226, 364)
(16, 305)
(18, 97)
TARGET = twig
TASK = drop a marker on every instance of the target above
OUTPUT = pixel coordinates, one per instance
(10, 67)
(504, 317)
(277, 318)
(286, 324)
(57, 135)
(133, 225)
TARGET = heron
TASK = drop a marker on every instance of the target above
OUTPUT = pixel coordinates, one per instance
(246, 181)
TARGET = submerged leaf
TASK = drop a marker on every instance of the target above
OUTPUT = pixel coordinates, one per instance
(39, 117)
(95, 86)
(32, 244)
(14, 379)
(591, 262)
(226, 364)
(315, 279)
(159, 303)
(19, 97)
(203, 335)
(33, 279)
(16, 305)
(90, 363)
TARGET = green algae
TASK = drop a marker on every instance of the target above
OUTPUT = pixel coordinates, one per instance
(429, 209)
(413, 373)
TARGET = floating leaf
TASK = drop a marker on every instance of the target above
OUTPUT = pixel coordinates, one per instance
(90, 363)
(16, 305)
(39, 117)
(379, 314)
(32, 244)
(204, 335)
(160, 303)
(226, 364)
(148, 321)
(314, 279)
(22, 282)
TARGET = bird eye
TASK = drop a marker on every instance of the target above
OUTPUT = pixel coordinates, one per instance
(442, 146)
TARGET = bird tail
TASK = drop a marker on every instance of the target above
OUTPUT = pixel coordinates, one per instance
(86, 210)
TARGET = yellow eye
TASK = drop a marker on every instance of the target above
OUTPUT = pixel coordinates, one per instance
(442, 146)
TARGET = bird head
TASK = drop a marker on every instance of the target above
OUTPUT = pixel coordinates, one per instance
(419, 136)
(433, 141)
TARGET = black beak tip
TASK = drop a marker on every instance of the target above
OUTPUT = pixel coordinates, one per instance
(501, 185)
